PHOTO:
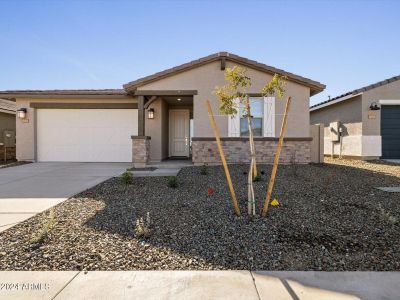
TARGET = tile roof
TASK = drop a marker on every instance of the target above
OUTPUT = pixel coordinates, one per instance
(315, 86)
(7, 106)
(65, 92)
(357, 91)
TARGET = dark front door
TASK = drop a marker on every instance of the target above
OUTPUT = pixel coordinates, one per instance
(390, 131)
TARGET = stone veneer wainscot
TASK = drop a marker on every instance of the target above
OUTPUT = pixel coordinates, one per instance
(236, 149)
(140, 151)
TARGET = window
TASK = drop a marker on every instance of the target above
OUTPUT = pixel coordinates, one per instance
(257, 111)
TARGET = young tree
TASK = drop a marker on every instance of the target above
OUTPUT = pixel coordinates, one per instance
(232, 97)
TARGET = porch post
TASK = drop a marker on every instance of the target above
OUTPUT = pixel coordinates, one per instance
(141, 116)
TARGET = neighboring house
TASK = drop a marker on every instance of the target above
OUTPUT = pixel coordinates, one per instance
(162, 116)
(7, 128)
(369, 118)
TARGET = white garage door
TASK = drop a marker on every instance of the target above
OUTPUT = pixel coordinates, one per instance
(86, 135)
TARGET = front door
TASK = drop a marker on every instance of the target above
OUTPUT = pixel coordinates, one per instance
(179, 132)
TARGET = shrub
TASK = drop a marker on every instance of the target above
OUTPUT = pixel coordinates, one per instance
(204, 170)
(127, 178)
(44, 232)
(142, 228)
(386, 216)
(173, 182)
(257, 178)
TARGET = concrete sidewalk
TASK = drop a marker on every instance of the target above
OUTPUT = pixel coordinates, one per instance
(183, 285)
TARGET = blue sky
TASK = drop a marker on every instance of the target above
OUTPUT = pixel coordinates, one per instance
(103, 44)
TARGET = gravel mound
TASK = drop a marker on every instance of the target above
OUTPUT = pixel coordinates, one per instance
(330, 218)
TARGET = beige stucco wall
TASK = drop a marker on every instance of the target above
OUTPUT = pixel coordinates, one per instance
(25, 129)
(390, 91)
(348, 111)
(164, 130)
(205, 78)
(157, 129)
(7, 122)
(349, 114)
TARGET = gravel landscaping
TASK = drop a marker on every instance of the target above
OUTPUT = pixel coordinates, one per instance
(330, 218)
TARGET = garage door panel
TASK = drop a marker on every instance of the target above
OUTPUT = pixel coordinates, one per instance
(390, 131)
(85, 135)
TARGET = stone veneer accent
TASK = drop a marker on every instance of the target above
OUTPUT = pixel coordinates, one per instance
(140, 151)
(205, 150)
(10, 153)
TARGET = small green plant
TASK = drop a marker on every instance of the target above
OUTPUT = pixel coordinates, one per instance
(204, 170)
(173, 182)
(127, 178)
(40, 236)
(142, 228)
(257, 178)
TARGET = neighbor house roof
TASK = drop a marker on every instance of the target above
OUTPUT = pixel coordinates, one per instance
(16, 93)
(314, 86)
(353, 93)
(7, 106)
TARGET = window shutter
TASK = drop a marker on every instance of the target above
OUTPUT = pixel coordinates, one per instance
(269, 116)
(234, 122)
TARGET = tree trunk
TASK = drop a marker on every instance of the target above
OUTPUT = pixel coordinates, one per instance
(250, 190)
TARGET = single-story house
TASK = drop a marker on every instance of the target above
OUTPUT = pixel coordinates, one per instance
(368, 121)
(163, 116)
(7, 129)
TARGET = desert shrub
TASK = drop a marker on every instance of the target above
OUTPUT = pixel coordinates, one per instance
(44, 232)
(142, 228)
(173, 182)
(257, 178)
(386, 216)
(204, 170)
(127, 178)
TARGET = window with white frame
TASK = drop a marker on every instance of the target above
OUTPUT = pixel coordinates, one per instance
(257, 112)
(263, 111)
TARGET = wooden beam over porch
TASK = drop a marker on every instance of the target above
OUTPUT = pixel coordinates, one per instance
(165, 92)
(141, 116)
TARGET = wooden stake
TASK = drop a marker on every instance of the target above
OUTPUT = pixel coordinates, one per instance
(276, 161)
(222, 155)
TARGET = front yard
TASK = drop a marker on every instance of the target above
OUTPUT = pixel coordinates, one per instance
(330, 218)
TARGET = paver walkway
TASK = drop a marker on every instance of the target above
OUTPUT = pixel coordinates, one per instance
(185, 285)
(164, 168)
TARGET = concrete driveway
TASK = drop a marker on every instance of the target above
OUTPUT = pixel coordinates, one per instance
(29, 189)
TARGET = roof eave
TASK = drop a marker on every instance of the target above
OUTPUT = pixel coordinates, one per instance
(6, 111)
(32, 94)
(344, 98)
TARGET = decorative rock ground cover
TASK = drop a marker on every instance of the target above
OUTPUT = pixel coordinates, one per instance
(330, 217)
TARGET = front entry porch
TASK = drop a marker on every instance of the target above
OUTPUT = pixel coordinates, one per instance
(165, 127)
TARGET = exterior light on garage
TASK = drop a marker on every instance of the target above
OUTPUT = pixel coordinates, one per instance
(150, 113)
(21, 113)
(374, 106)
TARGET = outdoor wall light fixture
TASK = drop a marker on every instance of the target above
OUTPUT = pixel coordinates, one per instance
(374, 106)
(179, 99)
(150, 113)
(21, 113)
